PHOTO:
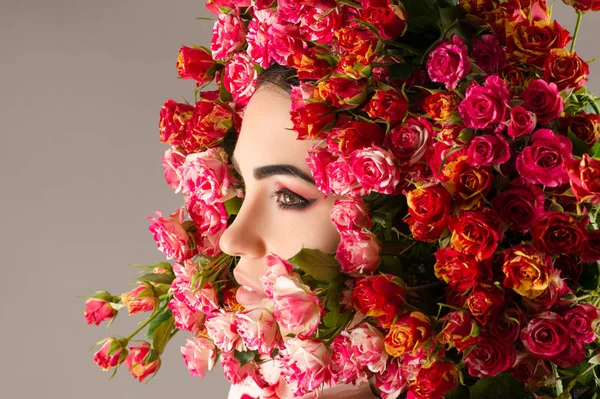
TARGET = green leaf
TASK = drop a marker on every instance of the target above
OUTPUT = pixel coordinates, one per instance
(160, 330)
(401, 71)
(579, 146)
(595, 151)
(233, 205)
(595, 360)
(460, 392)
(422, 15)
(317, 264)
(501, 386)
(590, 276)
(157, 278)
(158, 320)
(245, 357)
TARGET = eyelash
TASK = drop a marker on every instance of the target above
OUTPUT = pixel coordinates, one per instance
(300, 201)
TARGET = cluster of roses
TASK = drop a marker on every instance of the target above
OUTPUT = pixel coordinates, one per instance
(491, 139)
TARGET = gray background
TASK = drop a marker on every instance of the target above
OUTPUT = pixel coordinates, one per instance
(81, 85)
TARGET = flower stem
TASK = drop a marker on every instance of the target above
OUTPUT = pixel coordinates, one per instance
(577, 24)
(146, 322)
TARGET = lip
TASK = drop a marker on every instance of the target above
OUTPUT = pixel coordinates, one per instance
(249, 298)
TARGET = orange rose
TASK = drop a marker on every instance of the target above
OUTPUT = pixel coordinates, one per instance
(409, 333)
(429, 208)
(342, 92)
(140, 299)
(565, 69)
(467, 184)
(460, 331)
(476, 233)
(584, 126)
(378, 297)
(527, 270)
(442, 106)
(530, 41)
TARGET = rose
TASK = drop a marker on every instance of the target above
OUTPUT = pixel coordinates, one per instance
(349, 135)
(532, 40)
(171, 123)
(522, 122)
(209, 219)
(392, 382)
(341, 92)
(221, 330)
(202, 298)
(350, 214)
(488, 54)
(358, 252)
(357, 42)
(208, 125)
(375, 169)
(549, 297)
(138, 361)
(545, 335)
(379, 297)
(476, 232)
(429, 209)
(409, 141)
(257, 37)
(389, 18)
(583, 5)
(239, 78)
(228, 35)
(344, 367)
(368, 345)
(542, 161)
(318, 25)
(441, 106)
(199, 355)
(317, 161)
(305, 365)
(467, 184)
(573, 354)
(388, 105)
(98, 309)
(488, 149)
(186, 318)
(140, 299)
(485, 302)
(172, 162)
(579, 318)
(543, 100)
(434, 379)
(460, 330)
(409, 333)
(440, 154)
(559, 233)
(234, 372)
(310, 63)
(111, 353)
(341, 179)
(450, 135)
(258, 330)
(171, 237)
(565, 69)
(311, 120)
(591, 249)
(456, 268)
(583, 125)
(206, 175)
(507, 326)
(478, 7)
(449, 62)
(527, 367)
(527, 270)
(489, 357)
(520, 205)
(277, 267)
(295, 307)
(282, 40)
(485, 105)
(570, 266)
(195, 63)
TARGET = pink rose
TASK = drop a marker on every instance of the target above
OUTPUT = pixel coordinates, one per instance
(485, 105)
(295, 307)
(240, 78)
(111, 353)
(546, 335)
(490, 357)
(350, 214)
(235, 373)
(229, 35)
(579, 319)
(186, 318)
(258, 330)
(171, 237)
(573, 354)
(317, 161)
(257, 37)
(409, 141)
(172, 162)
(203, 299)
(488, 150)
(138, 363)
(375, 169)
(341, 179)
(542, 161)
(221, 330)
(199, 355)
(318, 25)
(488, 54)
(283, 40)
(344, 367)
(277, 267)
(358, 252)
(368, 346)
(98, 310)
(543, 100)
(305, 365)
(522, 122)
(392, 382)
(208, 218)
(449, 62)
(206, 175)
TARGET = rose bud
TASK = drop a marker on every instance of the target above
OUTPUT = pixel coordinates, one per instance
(434, 379)
(542, 161)
(142, 361)
(520, 205)
(99, 308)
(527, 270)
(584, 176)
(584, 5)
(543, 100)
(199, 355)
(379, 297)
(350, 214)
(490, 357)
(409, 333)
(559, 233)
(309, 65)
(565, 69)
(584, 126)
(485, 302)
(579, 318)
(388, 105)
(173, 116)
(111, 353)
(140, 299)
(196, 63)
(449, 62)
(442, 106)
(460, 331)
(522, 122)
(545, 335)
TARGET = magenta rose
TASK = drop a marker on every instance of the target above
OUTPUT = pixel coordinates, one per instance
(171, 237)
(295, 307)
(392, 382)
(490, 357)
(543, 100)
(485, 105)
(507, 326)
(258, 329)
(520, 205)
(206, 176)
(375, 169)
(317, 161)
(449, 62)
(542, 161)
(257, 37)
(488, 54)
(579, 318)
(522, 122)
(342, 180)
(344, 367)
(369, 347)
(545, 335)
(240, 78)
(573, 354)
(409, 141)
(488, 150)
(229, 35)
(358, 252)
(199, 355)
(350, 214)
(318, 25)
(591, 248)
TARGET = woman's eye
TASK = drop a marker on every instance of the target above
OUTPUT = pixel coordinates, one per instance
(288, 199)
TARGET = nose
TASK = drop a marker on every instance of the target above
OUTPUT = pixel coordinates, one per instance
(245, 236)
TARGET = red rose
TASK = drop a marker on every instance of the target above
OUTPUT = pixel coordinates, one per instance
(442, 106)
(460, 330)
(456, 268)
(532, 40)
(308, 65)
(559, 233)
(342, 92)
(570, 266)
(584, 5)
(488, 149)
(545, 335)
(522, 122)
(490, 357)
(573, 354)
(579, 318)
(591, 249)
(528, 271)
(488, 54)
(429, 209)
(584, 176)
(527, 368)
(440, 155)
(138, 363)
(485, 302)
(542, 161)
(543, 100)
(565, 69)
(208, 125)
(350, 135)
(312, 120)
(507, 326)
(520, 205)
(468, 184)
(584, 126)
(389, 18)
(388, 105)
(409, 141)
(549, 297)
(379, 297)
(476, 233)
(196, 63)
(434, 380)
(172, 118)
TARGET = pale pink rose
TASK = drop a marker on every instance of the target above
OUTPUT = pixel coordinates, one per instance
(350, 214)
(368, 347)
(206, 176)
(295, 307)
(240, 78)
(199, 355)
(234, 372)
(449, 62)
(375, 169)
(344, 367)
(186, 318)
(305, 365)
(318, 25)
(209, 219)
(172, 162)
(221, 329)
(317, 161)
(410, 140)
(412, 363)
(277, 266)
(258, 330)
(229, 35)
(203, 299)
(171, 237)
(258, 38)
(391, 383)
(358, 252)
(341, 179)
(485, 105)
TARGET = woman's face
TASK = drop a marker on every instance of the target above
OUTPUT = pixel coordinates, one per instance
(282, 210)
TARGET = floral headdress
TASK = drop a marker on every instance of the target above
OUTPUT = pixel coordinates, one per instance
(466, 147)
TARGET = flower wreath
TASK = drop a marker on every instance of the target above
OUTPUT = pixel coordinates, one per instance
(466, 147)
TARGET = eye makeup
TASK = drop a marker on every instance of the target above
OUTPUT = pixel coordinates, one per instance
(287, 199)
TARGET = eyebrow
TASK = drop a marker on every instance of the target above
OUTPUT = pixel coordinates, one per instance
(262, 172)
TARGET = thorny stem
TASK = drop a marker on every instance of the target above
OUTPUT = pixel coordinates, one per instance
(577, 24)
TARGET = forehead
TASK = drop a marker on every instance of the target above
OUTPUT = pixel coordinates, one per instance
(266, 137)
